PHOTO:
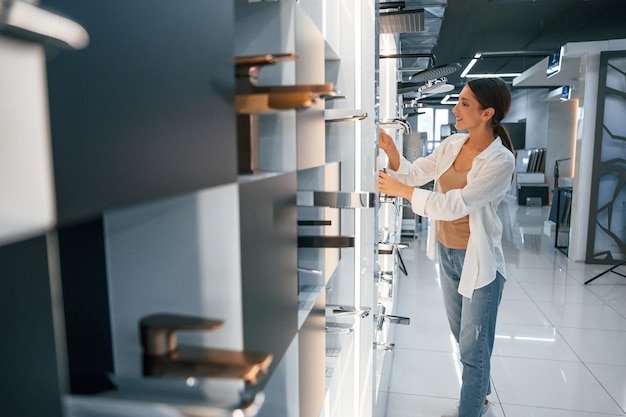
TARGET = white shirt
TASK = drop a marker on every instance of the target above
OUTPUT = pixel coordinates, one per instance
(488, 181)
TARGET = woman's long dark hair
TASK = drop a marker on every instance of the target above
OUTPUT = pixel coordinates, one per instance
(494, 93)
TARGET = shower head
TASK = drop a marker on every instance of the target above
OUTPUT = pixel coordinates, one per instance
(435, 72)
(403, 21)
(434, 89)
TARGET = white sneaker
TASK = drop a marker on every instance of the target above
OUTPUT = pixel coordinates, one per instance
(487, 411)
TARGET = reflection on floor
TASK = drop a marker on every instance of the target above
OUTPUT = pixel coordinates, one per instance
(560, 348)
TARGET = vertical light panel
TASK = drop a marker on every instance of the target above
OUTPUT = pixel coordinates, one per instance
(358, 98)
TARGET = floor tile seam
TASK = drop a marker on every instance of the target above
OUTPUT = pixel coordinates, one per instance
(591, 328)
(621, 330)
(536, 303)
(579, 362)
(578, 304)
(439, 397)
(619, 312)
(600, 301)
(583, 363)
(574, 351)
(405, 349)
(494, 391)
(613, 365)
(544, 316)
(612, 306)
(603, 387)
(539, 358)
(525, 325)
(505, 404)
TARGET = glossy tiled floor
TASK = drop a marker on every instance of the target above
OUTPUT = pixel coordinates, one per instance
(560, 349)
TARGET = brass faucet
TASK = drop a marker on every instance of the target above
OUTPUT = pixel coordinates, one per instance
(251, 99)
(164, 357)
(254, 98)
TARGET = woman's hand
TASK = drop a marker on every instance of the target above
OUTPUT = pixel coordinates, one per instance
(391, 186)
(386, 143)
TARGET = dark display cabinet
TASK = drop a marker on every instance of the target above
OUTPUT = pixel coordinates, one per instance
(146, 110)
(149, 218)
(269, 263)
(32, 348)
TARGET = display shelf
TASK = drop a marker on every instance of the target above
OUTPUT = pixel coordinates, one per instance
(258, 176)
(154, 397)
(14, 229)
(337, 351)
(563, 204)
(307, 296)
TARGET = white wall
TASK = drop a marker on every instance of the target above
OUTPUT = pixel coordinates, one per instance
(529, 106)
(550, 124)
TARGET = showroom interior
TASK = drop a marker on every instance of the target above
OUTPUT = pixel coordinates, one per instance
(190, 222)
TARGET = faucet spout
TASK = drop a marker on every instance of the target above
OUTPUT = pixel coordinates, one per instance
(381, 317)
(395, 123)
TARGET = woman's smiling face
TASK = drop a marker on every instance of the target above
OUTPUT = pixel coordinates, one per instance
(468, 110)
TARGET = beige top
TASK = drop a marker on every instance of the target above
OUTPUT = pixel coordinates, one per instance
(453, 234)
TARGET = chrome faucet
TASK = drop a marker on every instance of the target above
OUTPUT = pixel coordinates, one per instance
(384, 346)
(342, 310)
(381, 317)
(164, 357)
(339, 328)
(396, 123)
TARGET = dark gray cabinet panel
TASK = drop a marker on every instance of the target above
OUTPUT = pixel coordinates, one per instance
(29, 371)
(147, 109)
(86, 307)
(269, 263)
(312, 365)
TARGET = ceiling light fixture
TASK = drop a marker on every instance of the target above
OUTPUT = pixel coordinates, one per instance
(503, 54)
(500, 75)
(450, 99)
(471, 64)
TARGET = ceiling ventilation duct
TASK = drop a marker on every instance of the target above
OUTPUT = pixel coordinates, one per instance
(400, 20)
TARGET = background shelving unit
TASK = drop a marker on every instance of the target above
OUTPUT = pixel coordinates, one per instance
(146, 212)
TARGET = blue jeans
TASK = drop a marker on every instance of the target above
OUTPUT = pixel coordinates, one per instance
(473, 324)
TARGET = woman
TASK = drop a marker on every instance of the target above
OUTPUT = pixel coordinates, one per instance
(472, 172)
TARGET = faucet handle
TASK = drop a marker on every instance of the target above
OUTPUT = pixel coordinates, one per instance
(325, 241)
(158, 335)
(249, 66)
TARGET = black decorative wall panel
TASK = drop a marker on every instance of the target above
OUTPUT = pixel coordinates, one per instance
(607, 216)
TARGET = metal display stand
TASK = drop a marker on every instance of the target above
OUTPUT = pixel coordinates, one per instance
(563, 212)
(611, 269)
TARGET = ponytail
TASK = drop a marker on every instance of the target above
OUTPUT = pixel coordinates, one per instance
(501, 131)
